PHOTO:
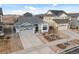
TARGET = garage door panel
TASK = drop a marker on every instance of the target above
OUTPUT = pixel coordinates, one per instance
(62, 27)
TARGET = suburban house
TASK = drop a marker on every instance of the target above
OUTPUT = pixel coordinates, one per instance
(28, 14)
(74, 20)
(1, 23)
(31, 23)
(57, 18)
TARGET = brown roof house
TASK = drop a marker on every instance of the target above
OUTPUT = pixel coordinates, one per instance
(57, 18)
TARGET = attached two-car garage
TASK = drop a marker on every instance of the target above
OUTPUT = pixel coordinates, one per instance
(62, 26)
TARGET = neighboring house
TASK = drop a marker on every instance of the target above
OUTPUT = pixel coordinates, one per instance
(27, 14)
(10, 19)
(1, 23)
(57, 18)
(74, 17)
(31, 23)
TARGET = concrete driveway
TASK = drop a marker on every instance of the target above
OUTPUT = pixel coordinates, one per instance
(29, 39)
(32, 44)
(73, 35)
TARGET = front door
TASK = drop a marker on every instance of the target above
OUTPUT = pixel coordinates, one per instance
(36, 28)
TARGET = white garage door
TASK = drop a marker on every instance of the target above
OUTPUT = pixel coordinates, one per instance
(62, 28)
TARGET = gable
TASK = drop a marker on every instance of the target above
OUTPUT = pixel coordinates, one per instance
(49, 12)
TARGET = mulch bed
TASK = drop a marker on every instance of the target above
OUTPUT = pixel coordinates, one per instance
(62, 46)
(51, 37)
(76, 41)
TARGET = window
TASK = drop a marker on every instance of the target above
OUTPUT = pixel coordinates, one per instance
(0, 28)
(44, 28)
(0, 18)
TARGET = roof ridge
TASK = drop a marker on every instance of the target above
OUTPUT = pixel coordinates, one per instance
(56, 10)
(74, 13)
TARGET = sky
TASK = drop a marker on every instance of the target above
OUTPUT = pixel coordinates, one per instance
(20, 9)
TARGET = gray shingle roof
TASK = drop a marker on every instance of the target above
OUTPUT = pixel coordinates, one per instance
(40, 15)
(73, 14)
(61, 21)
(57, 12)
(27, 14)
(31, 20)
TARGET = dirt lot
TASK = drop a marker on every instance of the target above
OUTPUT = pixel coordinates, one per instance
(62, 35)
(75, 30)
(10, 44)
